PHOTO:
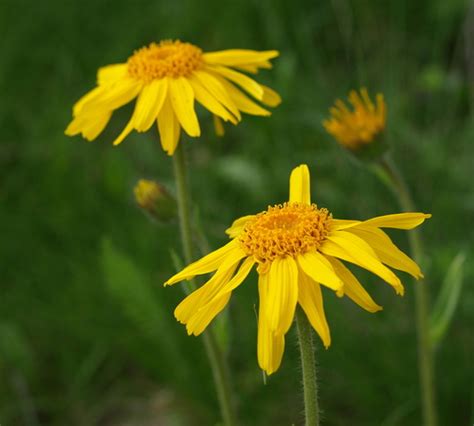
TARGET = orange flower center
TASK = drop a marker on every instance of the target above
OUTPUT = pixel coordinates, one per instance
(284, 230)
(166, 59)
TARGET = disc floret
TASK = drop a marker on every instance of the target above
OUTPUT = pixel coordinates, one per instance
(165, 59)
(282, 230)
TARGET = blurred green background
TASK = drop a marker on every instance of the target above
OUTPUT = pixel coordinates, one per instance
(87, 335)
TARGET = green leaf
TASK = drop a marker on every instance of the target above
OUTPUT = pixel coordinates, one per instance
(15, 350)
(447, 301)
(127, 284)
(242, 172)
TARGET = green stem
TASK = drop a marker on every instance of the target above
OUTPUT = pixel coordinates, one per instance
(216, 358)
(395, 180)
(308, 366)
(179, 165)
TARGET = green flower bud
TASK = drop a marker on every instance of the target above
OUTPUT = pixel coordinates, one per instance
(154, 199)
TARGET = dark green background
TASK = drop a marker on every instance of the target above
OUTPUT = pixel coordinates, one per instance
(87, 335)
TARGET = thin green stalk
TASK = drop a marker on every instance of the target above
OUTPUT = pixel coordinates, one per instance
(308, 366)
(183, 198)
(216, 358)
(394, 179)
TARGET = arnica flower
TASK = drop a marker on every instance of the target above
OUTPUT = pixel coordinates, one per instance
(297, 247)
(166, 79)
(362, 126)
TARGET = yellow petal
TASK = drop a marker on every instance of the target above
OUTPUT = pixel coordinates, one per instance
(149, 104)
(270, 346)
(311, 300)
(90, 127)
(242, 102)
(246, 83)
(168, 127)
(112, 97)
(89, 96)
(238, 226)
(198, 322)
(93, 128)
(366, 99)
(216, 89)
(208, 101)
(282, 294)
(338, 224)
(204, 294)
(238, 278)
(182, 99)
(75, 126)
(398, 221)
(218, 126)
(385, 250)
(254, 67)
(235, 57)
(351, 248)
(208, 263)
(125, 132)
(316, 266)
(300, 185)
(111, 73)
(353, 288)
(270, 97)
(205, 306)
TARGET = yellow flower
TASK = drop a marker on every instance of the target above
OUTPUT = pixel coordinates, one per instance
(297, 247)
(166, 79)
(360, 126)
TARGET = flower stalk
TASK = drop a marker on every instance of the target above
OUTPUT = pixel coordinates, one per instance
(214, 354)
(392, 177)
(308, 367)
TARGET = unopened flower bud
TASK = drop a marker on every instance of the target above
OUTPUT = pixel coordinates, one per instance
(153, 198)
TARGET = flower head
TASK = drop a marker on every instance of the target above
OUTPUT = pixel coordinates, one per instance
(166, 78)
(296, 247)
(362, 126)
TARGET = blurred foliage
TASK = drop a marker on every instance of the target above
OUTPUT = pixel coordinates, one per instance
(447, 300)
(87, 335)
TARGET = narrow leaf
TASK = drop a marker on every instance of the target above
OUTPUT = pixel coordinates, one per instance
(448, 298)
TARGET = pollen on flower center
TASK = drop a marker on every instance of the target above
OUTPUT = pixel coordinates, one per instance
(166, 59)
(283, 230)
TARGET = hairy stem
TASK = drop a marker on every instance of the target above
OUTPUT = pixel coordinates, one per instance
(308, 366)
